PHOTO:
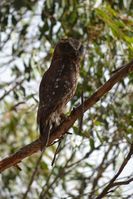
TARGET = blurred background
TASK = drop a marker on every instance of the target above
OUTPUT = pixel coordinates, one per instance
(90, 157)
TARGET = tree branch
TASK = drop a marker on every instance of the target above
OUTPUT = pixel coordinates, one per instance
(111, 183)
(18, 83)
(34, 147)
(119, 183)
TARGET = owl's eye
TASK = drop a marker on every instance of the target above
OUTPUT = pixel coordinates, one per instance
(81, 49)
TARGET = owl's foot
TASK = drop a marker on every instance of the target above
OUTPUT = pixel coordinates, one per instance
(68, 133)
(63, 117)
(74, 109)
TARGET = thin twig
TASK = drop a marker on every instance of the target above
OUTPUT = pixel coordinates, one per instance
(108, 187)
(32, 177)
(82, 115)
(100, 170)
(36, 167)
(56, 152)
(18, 83)
(125, 182)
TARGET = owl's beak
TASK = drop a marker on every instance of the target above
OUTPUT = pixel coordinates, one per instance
(75, 44)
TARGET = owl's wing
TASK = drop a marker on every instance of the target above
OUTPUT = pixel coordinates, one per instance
(55, 89)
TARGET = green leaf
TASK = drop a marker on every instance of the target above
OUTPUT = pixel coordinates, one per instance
(92, 143)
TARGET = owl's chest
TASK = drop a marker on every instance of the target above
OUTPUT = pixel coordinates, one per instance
(71, 73)
(68, 87)
(73, 78)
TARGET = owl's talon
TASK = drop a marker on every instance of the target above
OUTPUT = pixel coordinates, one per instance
(74, 109)
(68, 133)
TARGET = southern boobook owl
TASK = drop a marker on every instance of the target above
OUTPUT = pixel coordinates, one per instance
(58, 86)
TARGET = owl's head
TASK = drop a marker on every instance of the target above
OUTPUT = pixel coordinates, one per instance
(69, 48)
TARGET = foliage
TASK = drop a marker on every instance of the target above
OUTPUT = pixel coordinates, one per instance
(87, 159)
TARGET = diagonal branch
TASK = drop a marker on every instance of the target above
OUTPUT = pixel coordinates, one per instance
(112, 182)
(125, 182)
(34, 147)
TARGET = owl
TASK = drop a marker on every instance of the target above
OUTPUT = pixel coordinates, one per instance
(58, 86)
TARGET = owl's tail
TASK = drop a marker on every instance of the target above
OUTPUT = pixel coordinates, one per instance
(44, 134)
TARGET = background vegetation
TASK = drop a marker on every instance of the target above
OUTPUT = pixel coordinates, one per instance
(89, 158)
